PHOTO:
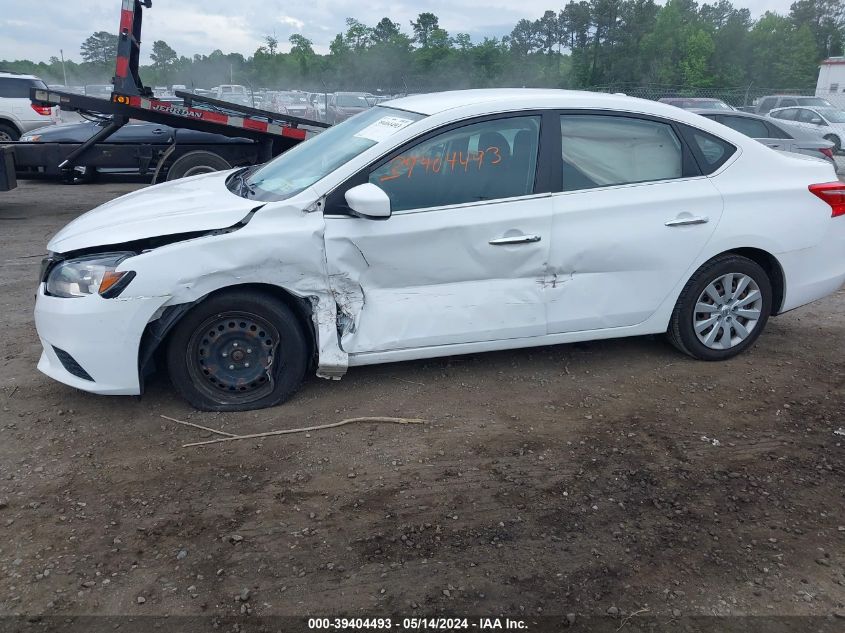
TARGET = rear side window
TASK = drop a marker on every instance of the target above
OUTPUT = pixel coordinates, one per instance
(600, 151)
(710, 151)
(776, 132)
(745, 125)
(785, 103)
(16, 88)
(787, 115)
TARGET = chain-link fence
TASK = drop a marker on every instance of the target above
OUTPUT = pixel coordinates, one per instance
(738, 96)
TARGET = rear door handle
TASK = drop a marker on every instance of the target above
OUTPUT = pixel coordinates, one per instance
(688, 221)
(515, 239)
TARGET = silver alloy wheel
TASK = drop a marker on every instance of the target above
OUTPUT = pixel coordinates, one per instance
(5, 137)
(727, 311)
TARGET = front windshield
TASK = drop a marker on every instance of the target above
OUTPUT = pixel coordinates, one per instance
(832, 114)
(351, 101)
(303, 165)
(814, 101)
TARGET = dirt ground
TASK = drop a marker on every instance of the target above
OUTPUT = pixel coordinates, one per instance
(611, 477)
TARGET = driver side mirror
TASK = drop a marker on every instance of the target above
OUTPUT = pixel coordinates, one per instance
(368, 201)
(816, 121)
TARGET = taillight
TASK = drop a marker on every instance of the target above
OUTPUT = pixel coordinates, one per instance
(827, 152)
(42, 110)
(833, 193)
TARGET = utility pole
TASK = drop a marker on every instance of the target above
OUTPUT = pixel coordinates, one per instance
(64, 72)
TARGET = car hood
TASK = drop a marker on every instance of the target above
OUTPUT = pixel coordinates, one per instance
(199, 203)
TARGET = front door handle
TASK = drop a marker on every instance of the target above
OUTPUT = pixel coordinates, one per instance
(688, 221)
(515, 239)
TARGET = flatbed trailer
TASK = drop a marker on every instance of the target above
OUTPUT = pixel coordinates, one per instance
(270, 133)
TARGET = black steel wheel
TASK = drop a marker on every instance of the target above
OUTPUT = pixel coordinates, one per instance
(237, 351)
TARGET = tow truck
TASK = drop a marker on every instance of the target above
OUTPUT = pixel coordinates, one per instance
(271, 133)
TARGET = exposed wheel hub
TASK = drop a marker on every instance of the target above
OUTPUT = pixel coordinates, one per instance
(232, 354)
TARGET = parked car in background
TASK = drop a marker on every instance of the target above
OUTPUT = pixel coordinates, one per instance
(829, 123)
(693, 103)
(293, 103)
(343, 105)
(639, 219)
(781, 136)
(319, 101)
(766, 104)
(99, 91)
(154, 138)
(17, 113)
(229, 92)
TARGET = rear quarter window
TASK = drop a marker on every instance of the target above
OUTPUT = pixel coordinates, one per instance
(711, 152)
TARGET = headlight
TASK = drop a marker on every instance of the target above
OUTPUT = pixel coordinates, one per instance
(31, 138)
(88, 275)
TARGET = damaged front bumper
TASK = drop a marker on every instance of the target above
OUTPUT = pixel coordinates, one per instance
(92, 343)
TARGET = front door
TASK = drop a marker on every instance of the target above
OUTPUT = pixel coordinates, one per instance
(463, 256)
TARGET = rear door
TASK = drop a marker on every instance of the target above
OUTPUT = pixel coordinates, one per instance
(632, 215)
(463, 256)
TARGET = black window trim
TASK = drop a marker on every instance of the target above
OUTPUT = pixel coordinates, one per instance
(690, 167)
(543, 173)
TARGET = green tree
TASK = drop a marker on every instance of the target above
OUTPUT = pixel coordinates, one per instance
(424, 27)
(272, 44)
(163, 56)
(100, 48)
(385, 30)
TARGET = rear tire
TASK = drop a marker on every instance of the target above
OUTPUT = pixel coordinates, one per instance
(8, 133)
(237, 351)
(713, 322)
(195, 163)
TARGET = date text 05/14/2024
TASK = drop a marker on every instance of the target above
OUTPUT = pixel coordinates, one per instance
(417, 624)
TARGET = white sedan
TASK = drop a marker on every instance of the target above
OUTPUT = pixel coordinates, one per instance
(442, 224)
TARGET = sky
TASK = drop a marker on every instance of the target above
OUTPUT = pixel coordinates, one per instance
(39, 30)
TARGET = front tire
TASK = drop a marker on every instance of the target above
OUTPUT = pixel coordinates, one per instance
(237, 351)
(722, 309)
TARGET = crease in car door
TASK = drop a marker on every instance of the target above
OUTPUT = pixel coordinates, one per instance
(627, 226)
(436, 273)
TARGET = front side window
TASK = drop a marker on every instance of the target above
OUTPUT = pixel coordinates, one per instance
(808, 116)
(600, 151)
(481, 161)
(785, 103)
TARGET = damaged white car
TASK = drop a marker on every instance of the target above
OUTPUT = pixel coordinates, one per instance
(435, 225)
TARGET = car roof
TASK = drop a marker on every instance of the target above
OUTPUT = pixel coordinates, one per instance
(492, 100)
(702, 99)
(740, 113)
(8, 74)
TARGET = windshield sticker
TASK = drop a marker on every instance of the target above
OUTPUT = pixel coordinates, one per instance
(383, 128)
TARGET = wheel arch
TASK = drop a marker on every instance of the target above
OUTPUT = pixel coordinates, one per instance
(157, 333)
(12, 122)
(771, 265)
